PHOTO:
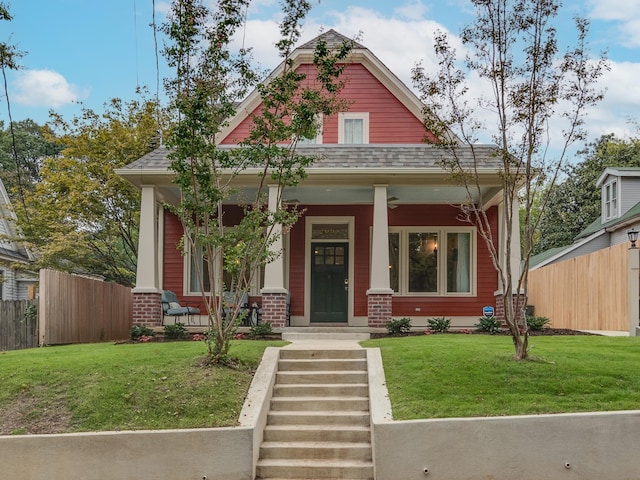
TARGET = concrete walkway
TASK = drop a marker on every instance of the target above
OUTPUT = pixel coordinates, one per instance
(324, 340)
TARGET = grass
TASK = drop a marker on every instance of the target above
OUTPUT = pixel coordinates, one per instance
(439, 376)
(129, 386)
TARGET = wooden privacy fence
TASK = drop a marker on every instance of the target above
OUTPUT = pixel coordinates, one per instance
(589, 292)
(76, 309)
(16, 330)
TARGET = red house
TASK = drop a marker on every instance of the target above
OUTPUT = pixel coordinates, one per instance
(380, 237)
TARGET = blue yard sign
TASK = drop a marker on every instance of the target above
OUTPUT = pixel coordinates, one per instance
(488, 311)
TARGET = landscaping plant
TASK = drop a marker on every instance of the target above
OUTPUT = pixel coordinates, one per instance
(399, 327)
(439, 324)
(537, 323)
(488, 324)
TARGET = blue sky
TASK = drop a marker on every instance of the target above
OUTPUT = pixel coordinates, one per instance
(91, 51)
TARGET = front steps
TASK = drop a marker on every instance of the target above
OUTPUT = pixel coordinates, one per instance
(318, 425)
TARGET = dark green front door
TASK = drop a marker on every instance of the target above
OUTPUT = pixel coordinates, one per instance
(329, 282)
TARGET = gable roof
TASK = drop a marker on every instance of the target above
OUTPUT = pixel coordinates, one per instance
(617, 172)
(359, 54)
(10, 248)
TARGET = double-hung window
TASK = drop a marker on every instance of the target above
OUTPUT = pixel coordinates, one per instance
(432, 261)
(353, 128)
(610, 200)
(317, 139)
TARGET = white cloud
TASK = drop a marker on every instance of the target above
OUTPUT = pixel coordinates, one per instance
(45, 88)
(625, 12)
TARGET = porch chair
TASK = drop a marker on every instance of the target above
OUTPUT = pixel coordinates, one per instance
(171, 307)
(250, 318)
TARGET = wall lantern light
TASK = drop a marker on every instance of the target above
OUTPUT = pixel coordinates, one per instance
(633, 237)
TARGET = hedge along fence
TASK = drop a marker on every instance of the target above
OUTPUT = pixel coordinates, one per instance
(17, 329)
(75, 309)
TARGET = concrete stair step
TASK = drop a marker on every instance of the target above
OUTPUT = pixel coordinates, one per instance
(314, 469)
(314, 404)
(322, 364)
(322, 390)
(287, 354)
(316, 450)
(317, 433)
(290, 377)
(319, 418)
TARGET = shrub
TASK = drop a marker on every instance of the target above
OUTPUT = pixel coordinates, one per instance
(175, 331)
(399, 327)
(537, 323)
(439, 324)
(489, 325)
(138, 331)
(261, 330)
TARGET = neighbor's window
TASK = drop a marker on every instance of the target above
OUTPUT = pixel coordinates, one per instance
(610, 200)
(353, 128)
(434, 261)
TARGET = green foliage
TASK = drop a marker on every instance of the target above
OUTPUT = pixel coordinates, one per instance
(261, 330)
(399, 327)
(537, 323)
(31, 314)
(439, 324)
(138, 331)
(489, 325)
(81, 216)
(175, 331)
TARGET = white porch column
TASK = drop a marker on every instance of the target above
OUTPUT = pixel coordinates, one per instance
(515, 258)
(379, 281)
(147, 270)
(274, 271)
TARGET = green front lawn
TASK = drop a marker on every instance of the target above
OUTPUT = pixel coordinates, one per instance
(116, 387)
(437, 376)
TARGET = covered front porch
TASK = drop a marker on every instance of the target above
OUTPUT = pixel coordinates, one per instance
(348, 261)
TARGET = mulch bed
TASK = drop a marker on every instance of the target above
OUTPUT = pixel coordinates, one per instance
(532, 333)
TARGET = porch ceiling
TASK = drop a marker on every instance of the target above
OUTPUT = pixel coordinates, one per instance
(354, 194)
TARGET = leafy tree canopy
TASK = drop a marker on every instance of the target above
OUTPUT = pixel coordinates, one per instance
(575, 203)
(81, 216)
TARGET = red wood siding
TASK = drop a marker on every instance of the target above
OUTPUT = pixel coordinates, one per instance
(389, 120)
(403, 215)
(173, 262)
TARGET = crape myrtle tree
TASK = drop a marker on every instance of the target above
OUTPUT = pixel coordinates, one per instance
(536, 96)
(210, 79)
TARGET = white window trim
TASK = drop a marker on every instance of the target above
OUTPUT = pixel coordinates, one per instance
(612, 201)
(403, 278)
(364, 116)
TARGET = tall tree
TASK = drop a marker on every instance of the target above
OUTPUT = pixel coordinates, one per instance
(210, 79)
(575, 203)
(513, 50)
(81, 216)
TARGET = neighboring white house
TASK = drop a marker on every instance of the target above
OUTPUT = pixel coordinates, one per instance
(16, 281)
(620, 213)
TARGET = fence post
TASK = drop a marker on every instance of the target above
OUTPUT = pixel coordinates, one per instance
(634, 290)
